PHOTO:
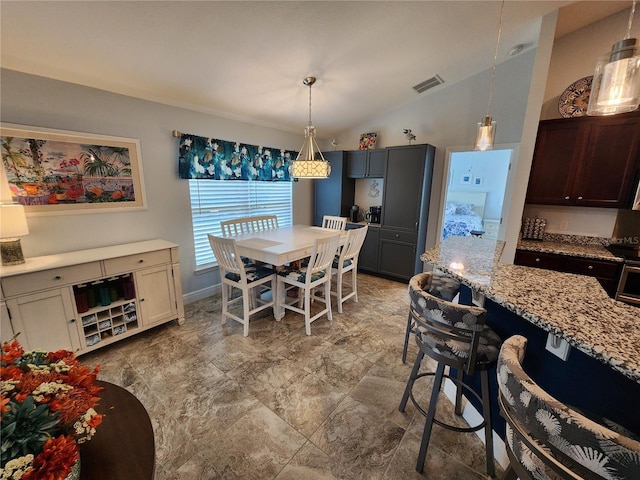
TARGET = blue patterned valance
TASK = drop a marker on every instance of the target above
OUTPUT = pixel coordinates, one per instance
(209, 158)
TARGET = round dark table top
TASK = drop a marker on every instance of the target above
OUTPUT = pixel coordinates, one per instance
(123, 447)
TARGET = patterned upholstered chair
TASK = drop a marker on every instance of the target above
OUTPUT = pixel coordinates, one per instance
(548, 440)
(441, 287)
(347, 261)
(246, 277)
(455, 336)
(316, 273)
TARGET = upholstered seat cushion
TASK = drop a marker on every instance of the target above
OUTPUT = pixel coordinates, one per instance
(336, 262)
(254, 272)
(443, 287)
(300, 275)
(488, 346)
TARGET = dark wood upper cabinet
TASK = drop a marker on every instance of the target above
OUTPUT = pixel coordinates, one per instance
(586, 161)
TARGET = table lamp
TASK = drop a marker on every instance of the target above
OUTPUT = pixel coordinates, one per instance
(13, 224)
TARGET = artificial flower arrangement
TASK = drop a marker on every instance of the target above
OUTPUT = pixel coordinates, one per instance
(47, 406)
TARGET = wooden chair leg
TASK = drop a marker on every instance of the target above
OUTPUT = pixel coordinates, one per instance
(327, 299)
(245, 312)
(339, 290)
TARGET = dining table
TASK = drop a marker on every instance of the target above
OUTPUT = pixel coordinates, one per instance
(282, 246)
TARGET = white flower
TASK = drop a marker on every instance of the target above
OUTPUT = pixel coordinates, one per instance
(525, 398)
(437, 315)
(16, 467)
(592, 459)
(549, 422)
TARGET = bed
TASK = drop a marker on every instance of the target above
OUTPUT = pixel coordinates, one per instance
(463, 213)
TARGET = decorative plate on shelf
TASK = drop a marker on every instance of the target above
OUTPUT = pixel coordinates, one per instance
(575, 99)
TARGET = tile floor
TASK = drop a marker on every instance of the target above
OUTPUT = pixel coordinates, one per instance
(282, 405)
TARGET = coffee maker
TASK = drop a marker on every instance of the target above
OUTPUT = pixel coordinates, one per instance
(354, 216)
(374, 214)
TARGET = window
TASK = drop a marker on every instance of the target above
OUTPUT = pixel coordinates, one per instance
(213, 201)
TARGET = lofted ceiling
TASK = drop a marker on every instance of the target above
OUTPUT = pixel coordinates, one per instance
(246, 60)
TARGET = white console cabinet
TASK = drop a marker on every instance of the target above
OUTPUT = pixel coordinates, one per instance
(84, 300)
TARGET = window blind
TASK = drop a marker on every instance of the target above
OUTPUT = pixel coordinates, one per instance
(213, 201)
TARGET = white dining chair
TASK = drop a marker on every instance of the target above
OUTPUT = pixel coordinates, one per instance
(249, 278)
(240, 226)
(315, 274)
(347, 261)
(334, 223)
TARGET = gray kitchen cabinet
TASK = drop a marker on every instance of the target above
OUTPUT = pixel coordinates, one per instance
(393, 249)
(334, 195)
(405, 207)
(366, 163)
(368, 258)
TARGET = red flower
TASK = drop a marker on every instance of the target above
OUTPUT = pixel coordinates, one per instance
(11, 352)
(94, 421)
(55, 461)
(3, 404)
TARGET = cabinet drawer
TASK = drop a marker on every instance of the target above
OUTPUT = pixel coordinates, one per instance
(538, 260)
(404, 237)
(593, 268)
(57, 277)
(130, 263)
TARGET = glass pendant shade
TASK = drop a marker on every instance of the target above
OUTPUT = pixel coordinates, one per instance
(310, 162)
(616, 81)
(486, 134)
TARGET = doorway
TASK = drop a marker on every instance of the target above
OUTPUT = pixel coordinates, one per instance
(473, 200)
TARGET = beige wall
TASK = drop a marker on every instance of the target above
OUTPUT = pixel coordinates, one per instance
(37, 101)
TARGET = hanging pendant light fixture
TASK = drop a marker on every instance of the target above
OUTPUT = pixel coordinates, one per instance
(310, 162)
(486, 132)
(616, 80)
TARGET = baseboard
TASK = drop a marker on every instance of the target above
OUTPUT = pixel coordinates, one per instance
(473, 417)
(200, 294)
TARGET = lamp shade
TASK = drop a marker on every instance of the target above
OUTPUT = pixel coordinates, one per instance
(616, 80)
(310, 162)
(486, 134)
(13, 221)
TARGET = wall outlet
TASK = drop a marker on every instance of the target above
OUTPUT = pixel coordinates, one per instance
(564, 225)
(558, 346)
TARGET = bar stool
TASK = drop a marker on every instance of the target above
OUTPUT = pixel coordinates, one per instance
(441, 287)
(548, 439)
(455, 336)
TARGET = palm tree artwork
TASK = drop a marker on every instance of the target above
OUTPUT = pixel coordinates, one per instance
(66, 172)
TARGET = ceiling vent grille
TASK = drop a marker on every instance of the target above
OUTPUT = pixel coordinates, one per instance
(429, 83)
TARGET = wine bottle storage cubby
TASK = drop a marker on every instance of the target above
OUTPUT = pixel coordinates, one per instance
(107, 308)
(88, 299)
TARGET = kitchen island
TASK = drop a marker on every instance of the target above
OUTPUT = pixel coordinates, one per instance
(602, 371)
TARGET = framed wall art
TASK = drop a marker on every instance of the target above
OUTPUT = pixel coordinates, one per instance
(367, 141)
(60, 172)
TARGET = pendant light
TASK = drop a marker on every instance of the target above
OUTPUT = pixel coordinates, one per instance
(486, 132)
(310, 162)
(616, 80)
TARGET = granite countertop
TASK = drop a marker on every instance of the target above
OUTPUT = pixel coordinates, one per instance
(575, 307)
(594, 251)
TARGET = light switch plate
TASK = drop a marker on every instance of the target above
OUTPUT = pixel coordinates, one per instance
(558, 346)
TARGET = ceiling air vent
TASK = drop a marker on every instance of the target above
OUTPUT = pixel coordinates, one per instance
(429, 83)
